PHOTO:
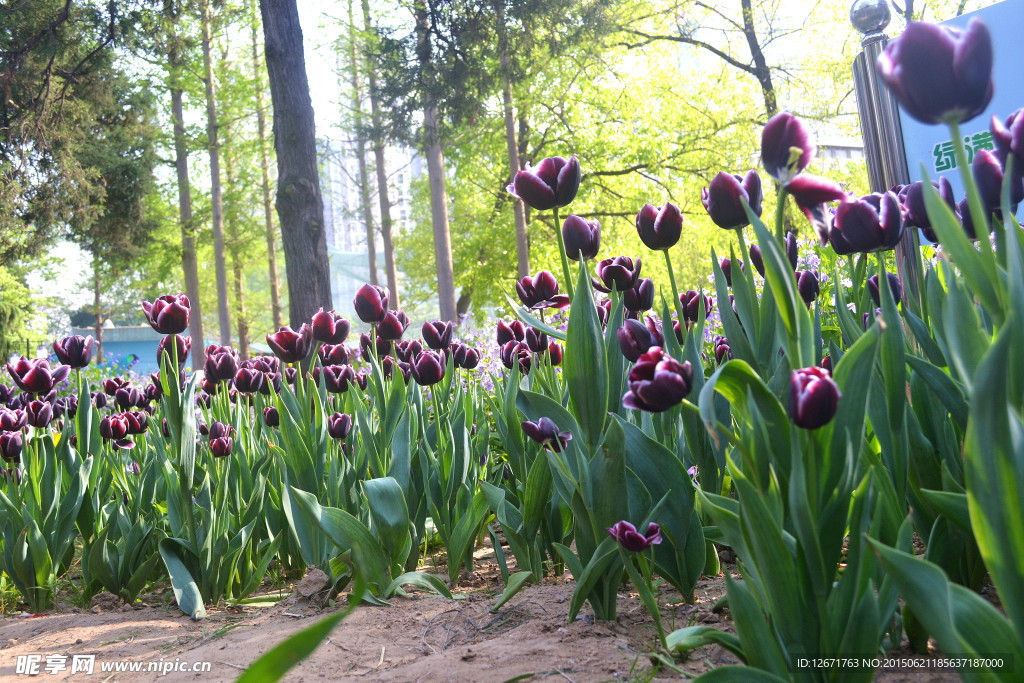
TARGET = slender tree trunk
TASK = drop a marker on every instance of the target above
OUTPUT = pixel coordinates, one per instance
(360, 133)
(234, 248)
(435, 169)
(223, 309)
(268, 211)
(762, 73)
(522, 238)
(300, 206)
(189, 262)
(240, 313)
(382, 176)
(97, 302)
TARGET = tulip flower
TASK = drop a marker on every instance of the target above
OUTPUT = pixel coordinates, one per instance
(75, 351)
(871, 223)
(555, 353)
(545, 432)
(182, 346)
(35, 376)
(11, 444)
(410, 348)
(536, 341)
(466, 357)
(6, 394)
(12, 420)
(691, 299)
(218, 430)
(39, 414)
(813, 397)
(291, 346)
(513, 331)
(339, 425)
(726, 265)
(659, 227)
(250, 381)
(626, 535)
(792, 253)
(1009, 139)
(221, 447)
(811, 195)
(329, 327)
(807, 285)
(393, 325)
(940, 74)
(619, 273)
(382, 346)
(428, 369)
(438, 334)
(914, 210)
(516, 352)
(895, 288)
(724, 199)
(128, 397)
(337, 378)
(658, 382)
(138, 422)
(634, 339)
(553, 184)
(168, 314)
(221, 363)
(988, 175)
(333, 354)
(114, 427)
(640, 298)
(388, 365)
(112, 384)
(722, 349)
(371, 303)
(582, 238)
(786, 147)
(541, 291)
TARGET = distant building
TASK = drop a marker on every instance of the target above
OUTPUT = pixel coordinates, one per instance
(840, 150)
(343, 214)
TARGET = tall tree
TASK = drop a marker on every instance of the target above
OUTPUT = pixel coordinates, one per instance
(359, 131)
(223, 306)
(300, 205)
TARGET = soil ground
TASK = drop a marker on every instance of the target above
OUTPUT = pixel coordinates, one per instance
(418, 638)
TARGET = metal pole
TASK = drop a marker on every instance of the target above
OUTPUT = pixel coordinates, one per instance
(883, 134)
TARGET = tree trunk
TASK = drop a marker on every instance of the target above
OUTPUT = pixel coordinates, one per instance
(223, 311)
(382, 176)
(268, 212)
(97, 303)
(234, 248)
(762, 73)
(300, 207)
(522, 238)
(435, 169)
(188, 237)
(360, 133)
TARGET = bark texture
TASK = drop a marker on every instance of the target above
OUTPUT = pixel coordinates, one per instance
(360, 133)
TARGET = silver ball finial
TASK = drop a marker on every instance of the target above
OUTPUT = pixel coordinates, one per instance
(870, 16)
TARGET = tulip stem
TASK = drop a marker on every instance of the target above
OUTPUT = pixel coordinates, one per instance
(565, 261)
(675, 290)
(780, 217)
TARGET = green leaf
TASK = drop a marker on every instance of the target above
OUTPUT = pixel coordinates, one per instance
(390, 516)
(692, 637)
(186, 591)
(516, 582)
(596, 572)
(584, 365)
(461, 542)
(532, 320)
(427, 582)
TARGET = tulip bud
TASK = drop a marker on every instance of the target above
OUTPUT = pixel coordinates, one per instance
(536, 341)
(786, 147)
(582, 238)
(371, 303)
(393, 326)
(221, 447)
(640, 298)
(383, 346)
(75, 351)
(11, 444)
(466, 357)
(333, 354)
(127, 397)
(691, 300)
(634, 339)
(726, 265)
(813, 397)
(329, 327)
(895, 288)
(626, 535)
(554, 183)
(168, 314)
(724, 200)
(807, 285)
(544, 431)
(291, 346)
(114, 427)
(221, 363)
(722, 350)
(437, 334)
(826, 363)
(428, 368)
(988, 176)
(182, 346)
(555, 353)
(914, 210)
(39, 414)
(513, 331)
(339, 425)
(1009, 139)
(541, 291)
(871, 223)
(659, 228)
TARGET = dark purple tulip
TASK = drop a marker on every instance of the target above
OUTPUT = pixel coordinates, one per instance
(333, 354)
(6, 394)
(35, 376)
(1009, 139)
(371, 303)
(513, 331)
(619, 273)
(128, 397)
(437, 334)
(99, 400)
(640, 298)
(393, 326)
(428, 368)
(329, 327)
(554, 183)
(249, 381)
(871, 223)
(940, 74)
(813, 397)
(114, 427)
(362, 379)
(691, 300)
(271, 417)
(963, 210)
(581, 238)
(337, 378)
(807, 285)
(555, 353)
(201, 426)
(780, 136)
(826, 363)
(221, 363)
(726, 265)
(634, 339)
(13, 474)
(466, 357)
(221, 447)
(988, 175)
(541, 291)
(626, 535)
(291, 346)
(545, 432)
(138, 422)
(75, 351)
(181, 344)
(339, 425)
(112, 384)
(914, 211)
(722, 349)
(724, 199)
(867, 318)
(895, 287)
(537, 341)
(792, 253)
(12, 420)
(659, 227)
(383, 346)
(516, 352)
(11, 444)
(658, 382)
(388, 365)
(811, 194)
(218, 430)
(168, 314)
(410, 348)
(604, 310)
